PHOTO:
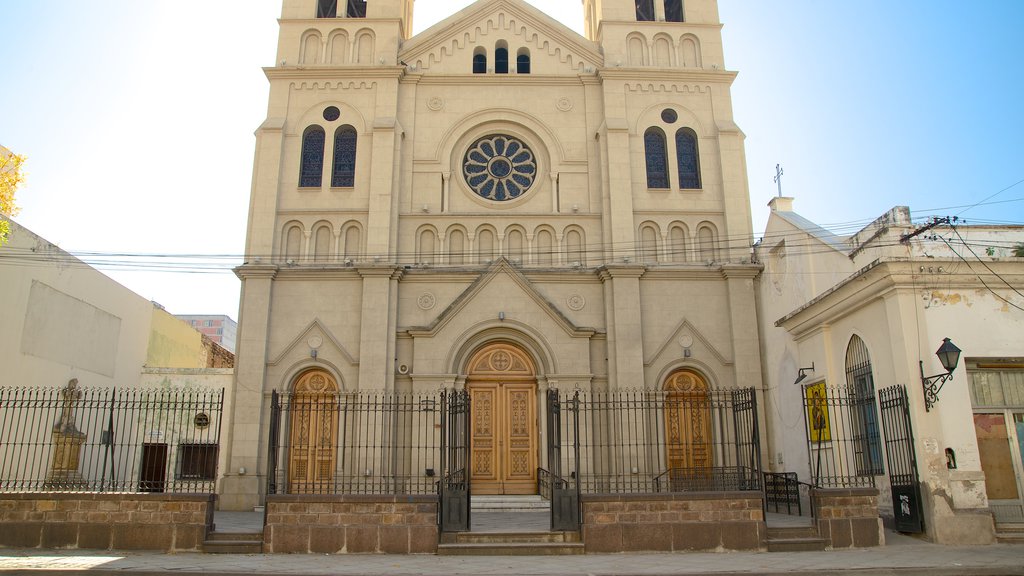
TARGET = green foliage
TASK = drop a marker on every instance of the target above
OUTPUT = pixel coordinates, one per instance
(11, 177)
(1018, 250)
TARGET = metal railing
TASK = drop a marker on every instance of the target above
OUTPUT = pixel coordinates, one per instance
(785, 493)
(361, 443)
(842, 430)
(665, 441)
(109, 440)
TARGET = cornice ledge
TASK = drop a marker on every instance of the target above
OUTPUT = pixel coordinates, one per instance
(609, 271)
(743, 271)
(379, 270)
(329, 73)
(652, 74)
(253, 271)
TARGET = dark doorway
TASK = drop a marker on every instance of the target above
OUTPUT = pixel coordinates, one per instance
(153, 475)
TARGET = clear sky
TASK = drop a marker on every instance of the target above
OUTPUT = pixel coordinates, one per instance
(137, 118)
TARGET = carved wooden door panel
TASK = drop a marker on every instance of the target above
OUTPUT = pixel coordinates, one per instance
(503, 425)
(688, 431)
(313, 439)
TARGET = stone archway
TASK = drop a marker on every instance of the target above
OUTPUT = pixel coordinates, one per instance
(502, 383)
(313, 434)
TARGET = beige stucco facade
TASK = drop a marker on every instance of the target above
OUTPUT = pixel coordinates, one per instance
(901, 298)
(392, 280)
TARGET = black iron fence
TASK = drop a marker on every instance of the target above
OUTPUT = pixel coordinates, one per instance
(109, 440)
(360, 443)
(842, 429)
(663, 441)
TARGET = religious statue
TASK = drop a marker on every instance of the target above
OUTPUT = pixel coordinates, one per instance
(67, 444)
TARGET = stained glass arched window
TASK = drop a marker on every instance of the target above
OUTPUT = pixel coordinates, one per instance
(312, 160)
(344, 173)
(523, 61)
(673, 10)
(657, 164)
(689, 161)
(645, 10)
(501, 60)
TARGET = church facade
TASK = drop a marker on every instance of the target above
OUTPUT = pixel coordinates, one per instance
(496, 204)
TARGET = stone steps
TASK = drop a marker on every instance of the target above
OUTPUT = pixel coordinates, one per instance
(795, 539)
(510, 544)
(233, 543)
(489, 503)
(1010, 533)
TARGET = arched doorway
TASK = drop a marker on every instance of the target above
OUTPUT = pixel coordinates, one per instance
(502, 385)
(688, 430)
(313, 446)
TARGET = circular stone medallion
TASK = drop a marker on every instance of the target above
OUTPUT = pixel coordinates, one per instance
(435, 103)
(576, 302)
(426, 301)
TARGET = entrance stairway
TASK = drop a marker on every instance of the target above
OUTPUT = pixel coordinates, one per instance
(794, 539)
(233, 543)
(510, 526)
(1010, 532)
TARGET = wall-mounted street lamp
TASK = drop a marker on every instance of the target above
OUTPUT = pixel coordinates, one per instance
(949, 356)
(802, 373)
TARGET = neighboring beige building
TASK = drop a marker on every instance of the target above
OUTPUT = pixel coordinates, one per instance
(495, 187)
(61, 319)
(868, 312)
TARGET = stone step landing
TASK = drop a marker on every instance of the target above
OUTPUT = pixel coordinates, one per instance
(1010, 532)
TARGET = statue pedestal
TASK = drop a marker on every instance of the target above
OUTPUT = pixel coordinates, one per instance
(67, 450)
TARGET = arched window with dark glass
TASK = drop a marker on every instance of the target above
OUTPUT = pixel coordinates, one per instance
(327, 8)
(860, 382)
(523, 61)
(356, 9)
(688, 159)
(645, 10)
(344, 173)
(312, 159)
(673, 10)
(657, 165)
(501, 60)
(479, 63)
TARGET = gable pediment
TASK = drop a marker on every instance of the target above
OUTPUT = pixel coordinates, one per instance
(499, 282)
(447, 47)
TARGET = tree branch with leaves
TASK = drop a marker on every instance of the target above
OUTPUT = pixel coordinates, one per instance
(11, 177)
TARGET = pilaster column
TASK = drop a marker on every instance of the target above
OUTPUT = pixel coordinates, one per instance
(245, 438)
(376, 332)
(625, 329)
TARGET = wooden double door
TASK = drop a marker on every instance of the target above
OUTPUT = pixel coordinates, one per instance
(503, 422)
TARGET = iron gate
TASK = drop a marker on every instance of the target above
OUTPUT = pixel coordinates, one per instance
(899, 448)
(565, 492)
(454, 486)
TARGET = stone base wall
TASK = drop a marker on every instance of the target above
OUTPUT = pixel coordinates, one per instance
(166, 522)
(673, 522)
(327, 524)
(848, 518)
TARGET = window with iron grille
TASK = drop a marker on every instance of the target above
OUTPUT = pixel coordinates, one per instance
(197, 462)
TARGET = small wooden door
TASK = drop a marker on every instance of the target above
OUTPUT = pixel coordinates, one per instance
(503, 422)
(313, 446)
(688, 430)
(153, 475)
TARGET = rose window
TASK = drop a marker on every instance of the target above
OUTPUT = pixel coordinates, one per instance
(499, 167)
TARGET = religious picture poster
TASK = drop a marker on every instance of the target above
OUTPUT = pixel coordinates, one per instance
(817, 413)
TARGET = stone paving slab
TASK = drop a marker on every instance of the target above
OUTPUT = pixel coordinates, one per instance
(903, 560)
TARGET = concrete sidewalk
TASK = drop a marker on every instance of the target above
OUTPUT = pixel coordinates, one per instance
(898, 558)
